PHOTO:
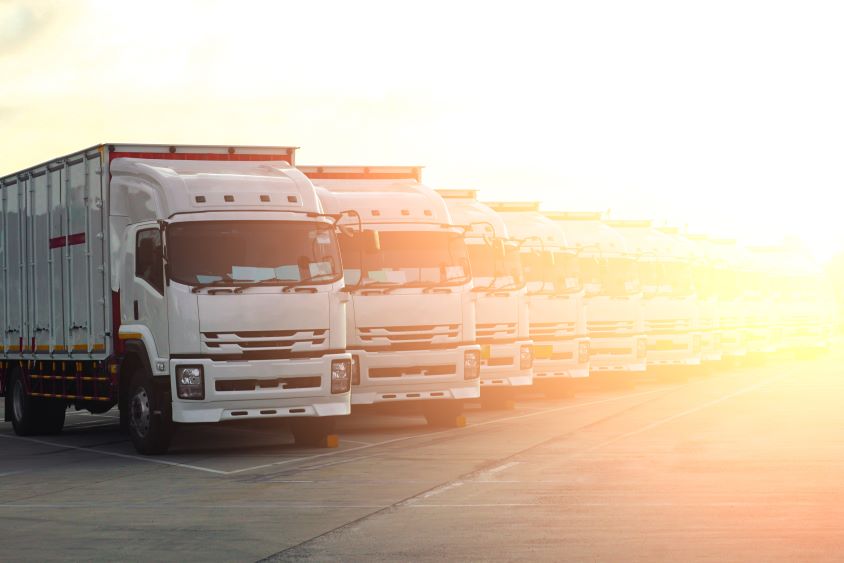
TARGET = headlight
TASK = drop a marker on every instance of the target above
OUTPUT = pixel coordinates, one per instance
(583, 352)
(471, 364)
(526, 357)
(340, 376)
(641, 348)
(355, 370)
(190, 382)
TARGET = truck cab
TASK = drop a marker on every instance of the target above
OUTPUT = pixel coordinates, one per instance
(729, 265)
(555, 296)
(710, 307)
(208, 291)
(411, 323)
(670, 304)
(608, 274)
(502, 328)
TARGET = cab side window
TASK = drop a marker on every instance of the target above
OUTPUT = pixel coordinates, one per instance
(148, 264)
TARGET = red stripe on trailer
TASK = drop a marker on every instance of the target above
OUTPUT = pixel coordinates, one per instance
(69, 240)
(203, 156)
(78, 238)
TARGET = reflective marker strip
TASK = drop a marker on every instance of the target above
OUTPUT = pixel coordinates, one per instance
(130, 335)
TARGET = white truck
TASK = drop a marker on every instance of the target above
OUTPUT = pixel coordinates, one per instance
(608, 273)
(502, 328)
(732, 313)
(411, 321)
(710, 306)
(670, 307)
(555, 297)
(184, 284)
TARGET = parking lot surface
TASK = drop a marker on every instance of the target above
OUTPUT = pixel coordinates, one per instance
(743, 463)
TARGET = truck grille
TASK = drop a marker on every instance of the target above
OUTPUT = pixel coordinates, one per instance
(487, 333)
(408, 335)
(598, 329)
(545, 332)
(667, 326)
(414, 371)
(268, 340)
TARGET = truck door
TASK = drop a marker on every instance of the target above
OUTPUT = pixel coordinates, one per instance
(146, 302)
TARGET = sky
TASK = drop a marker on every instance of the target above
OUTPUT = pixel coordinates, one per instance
(723, 117)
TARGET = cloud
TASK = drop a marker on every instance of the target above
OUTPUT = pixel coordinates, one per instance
(20, 21)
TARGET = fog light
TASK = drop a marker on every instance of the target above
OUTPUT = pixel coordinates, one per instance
(641, 348)
(583, 352)
(471, 364)
(355, 370)
(341, 371)
(190, 382)
(526, 357)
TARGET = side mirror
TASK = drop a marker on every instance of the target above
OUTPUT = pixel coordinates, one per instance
(499, 248)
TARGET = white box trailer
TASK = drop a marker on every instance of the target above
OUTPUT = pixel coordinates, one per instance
(145, 276)
(411, 324)
(503, 324)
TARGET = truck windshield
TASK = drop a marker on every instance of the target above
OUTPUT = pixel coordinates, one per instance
(667, 277)
(505, 271)
(609, 276)
(551, 272)
(211, 252)
(408, 258)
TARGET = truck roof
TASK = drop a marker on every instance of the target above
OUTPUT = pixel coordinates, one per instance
(380, 194)
(525, 222)
(465, 209)
(147, 189)
(110, 151)
(585, 232)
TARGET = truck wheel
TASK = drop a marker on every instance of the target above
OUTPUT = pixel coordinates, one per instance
(25, 409)
(150, 432)
(444, 414)
(52, 416)
(314, 431)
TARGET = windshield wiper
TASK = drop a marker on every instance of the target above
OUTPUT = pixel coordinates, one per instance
(215, 283)
(290, 285)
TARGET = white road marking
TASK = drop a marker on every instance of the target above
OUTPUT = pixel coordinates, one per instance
(652, 425)
(501, 420)
(434, 492)
(114, 454)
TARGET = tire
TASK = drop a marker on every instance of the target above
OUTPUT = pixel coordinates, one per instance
(52, 416)
(444, 414)
(150, 432)
(313, 431)
(25, 409)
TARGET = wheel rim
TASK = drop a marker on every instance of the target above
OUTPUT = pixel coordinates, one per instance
(140, 413)
(18, 399)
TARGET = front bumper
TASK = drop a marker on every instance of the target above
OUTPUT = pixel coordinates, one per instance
(560, 359)
(410, 383)
(616, 354)
(500, 365)
(258, 402)
(733, 343)
(710, 345)
(676, 349)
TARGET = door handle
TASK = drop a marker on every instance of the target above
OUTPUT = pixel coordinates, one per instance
(136, 310)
